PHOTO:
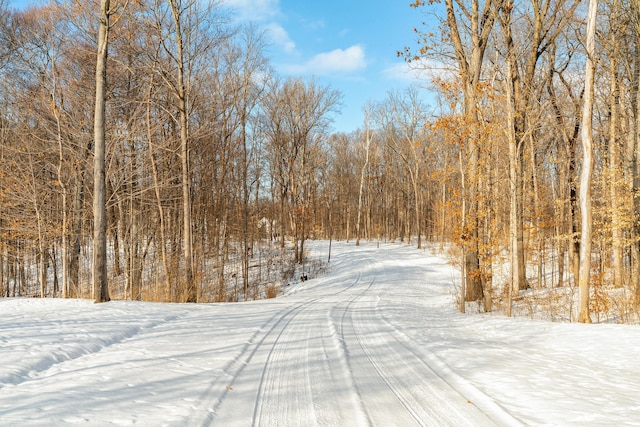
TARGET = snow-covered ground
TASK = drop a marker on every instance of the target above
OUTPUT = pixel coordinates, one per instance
(377, 341)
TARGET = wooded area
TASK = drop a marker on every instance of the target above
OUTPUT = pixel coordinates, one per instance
(217, 169)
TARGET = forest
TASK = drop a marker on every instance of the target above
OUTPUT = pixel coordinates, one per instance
(215, 170)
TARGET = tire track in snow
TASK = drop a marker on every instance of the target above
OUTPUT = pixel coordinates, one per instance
(317, 355)
(285, 387)
(67, 354)
(370, 370)
(341, 313)
(211, 404)
(389, 372)
(427, 399)
(376, 389)
(268, 345)
(466, 390)
(455, 387)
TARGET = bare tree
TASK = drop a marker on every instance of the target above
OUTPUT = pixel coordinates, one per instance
(614, 144)
(248, 69)
(365, 166)
(296, 115)
(633, 146)
(177, 11)
(404, 122)
(587, 165)
(100, 283)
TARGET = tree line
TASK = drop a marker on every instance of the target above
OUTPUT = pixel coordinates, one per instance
(217, 169)
(201, 142)
(540, 99)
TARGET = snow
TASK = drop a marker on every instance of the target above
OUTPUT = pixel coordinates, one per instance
(376, 341)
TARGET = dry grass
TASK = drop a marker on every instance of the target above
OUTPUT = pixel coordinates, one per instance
(272, 290)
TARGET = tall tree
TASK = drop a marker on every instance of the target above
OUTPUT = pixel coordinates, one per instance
(100, 283)
(177, 11)
(547, 19)
(467, 25)
(614, 143)
(565, 123)
(587, 165)
(249, 69)
(363, 170)
(633, 143)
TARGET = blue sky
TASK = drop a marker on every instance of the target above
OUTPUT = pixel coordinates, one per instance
(350, 45)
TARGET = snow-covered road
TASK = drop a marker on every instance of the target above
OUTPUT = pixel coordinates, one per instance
(376, 341)
(331, 356)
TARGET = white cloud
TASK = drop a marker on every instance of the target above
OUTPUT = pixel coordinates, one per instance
(280, 37)
(418, 70)
(336, 61)
(350, 59)
(266, 13)
(401, 71)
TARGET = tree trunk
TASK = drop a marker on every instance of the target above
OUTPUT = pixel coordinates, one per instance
(75, 236)
(587, 167)
(614, 158)
(100, 284)
(513, 200)
(190, 294)
(539, 237)
(65, 218)
(633, 156)
(245, 199)
(362, 176)
(470, 60)
(473, 276)
(416, 203)
(463, 263)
